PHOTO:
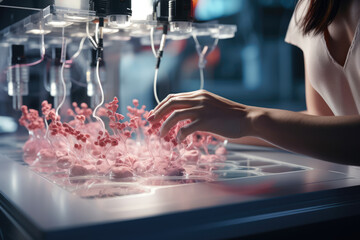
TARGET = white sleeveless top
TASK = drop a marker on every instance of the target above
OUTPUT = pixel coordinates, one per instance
(338, 85)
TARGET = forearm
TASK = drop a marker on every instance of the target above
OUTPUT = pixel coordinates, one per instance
(252, 141)
(325, 137)
(255, 140)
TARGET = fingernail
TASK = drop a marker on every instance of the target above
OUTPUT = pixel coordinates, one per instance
(151, 118)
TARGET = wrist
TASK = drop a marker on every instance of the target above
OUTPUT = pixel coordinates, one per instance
(257, 118)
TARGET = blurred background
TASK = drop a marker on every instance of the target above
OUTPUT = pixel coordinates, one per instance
(256, 67)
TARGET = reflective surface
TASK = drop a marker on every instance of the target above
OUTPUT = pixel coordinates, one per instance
(243, 188)
(236, 166)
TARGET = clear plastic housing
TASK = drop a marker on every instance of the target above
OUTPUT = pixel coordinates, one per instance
(182, 27)
(225, 32)
(18, 84)
(118, 21)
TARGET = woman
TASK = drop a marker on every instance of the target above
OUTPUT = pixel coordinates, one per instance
(327, 33)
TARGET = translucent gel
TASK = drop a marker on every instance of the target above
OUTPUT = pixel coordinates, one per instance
(129, 149)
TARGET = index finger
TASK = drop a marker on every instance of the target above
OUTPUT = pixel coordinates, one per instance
(171, 105)
(170, 96)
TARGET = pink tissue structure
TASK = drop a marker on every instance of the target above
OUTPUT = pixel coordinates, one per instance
(128, 149)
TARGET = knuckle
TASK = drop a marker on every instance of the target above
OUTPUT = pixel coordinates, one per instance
(171, 100)
(168, 97)
(204, 92)
(208, 95)
(199, 92)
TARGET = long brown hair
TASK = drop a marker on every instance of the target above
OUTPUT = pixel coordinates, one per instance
(319, 15)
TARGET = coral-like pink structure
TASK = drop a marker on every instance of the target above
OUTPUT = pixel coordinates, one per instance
(129, 149)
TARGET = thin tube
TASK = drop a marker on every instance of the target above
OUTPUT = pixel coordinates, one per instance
(202, 62)
(202, 55)
(89, 37)
(102, 96)
(17, 100)
(201, 78)
(63, 60)
(96, 32)
(196, 41)
(27, 64)
(152, 41)
(63, 47)
(47, 130)
(162, 43)
(64, 87)
(42, 45)
(81, 45)
(154, 86)
(158, 56)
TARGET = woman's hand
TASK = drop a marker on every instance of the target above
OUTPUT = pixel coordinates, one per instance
(332, 138)
(207, 111)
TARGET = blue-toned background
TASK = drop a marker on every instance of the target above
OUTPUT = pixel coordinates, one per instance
(256, 67)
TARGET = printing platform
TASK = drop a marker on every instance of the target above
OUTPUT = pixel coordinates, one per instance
(258, 190)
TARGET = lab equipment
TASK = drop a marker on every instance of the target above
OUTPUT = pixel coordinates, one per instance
(56, 87)
(59, 24)
(18, 76)
(79, 190)
(93, 90)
